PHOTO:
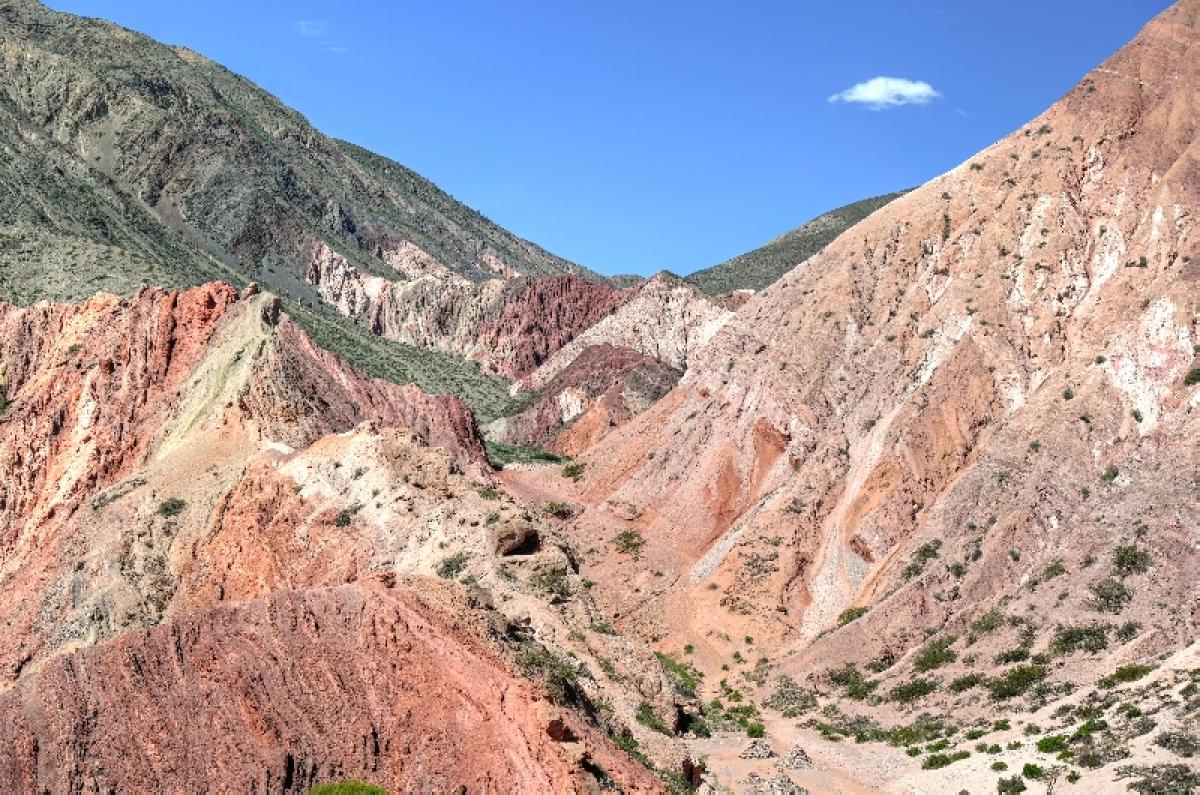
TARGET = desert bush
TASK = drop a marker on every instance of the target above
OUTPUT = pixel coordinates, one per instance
(1015, 681)
(1130, 559)
(172, 506)
(935, 654)
(451, 567)
(912, 690)
(851, 681)
(1109, 596)
(850, 614)
(1068, 639)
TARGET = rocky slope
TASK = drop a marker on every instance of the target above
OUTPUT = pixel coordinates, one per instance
(191, 477)
(297, 688)
(953, 444)
(758, 269)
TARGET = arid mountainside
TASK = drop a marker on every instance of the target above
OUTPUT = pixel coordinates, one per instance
(955, 444)
(191, 476)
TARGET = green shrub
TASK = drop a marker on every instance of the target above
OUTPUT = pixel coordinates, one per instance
(849, 679)
(1092, 638)
(1128, 631)
(451, 567)
(350, 787)
(1109, 596)
(852, 613)
(1006, 786)
(911, 691)
(553, 581)
(1109, 474)
(683, 675)
(1052, 743)
(935, 654)
(500, 454)
(346, 515)
(1130, 559)
(1125, 673)
(646, 716)
(790, 698)
(936, 761)
(966, 682)
(630, 542)
(1015, 681)
(1032, 771)
(559, 510)
(574, 470)
(1192, 377)
(172, 506)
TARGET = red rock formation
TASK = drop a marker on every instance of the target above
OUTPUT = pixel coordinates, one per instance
(603, 388)
(275, 695)
(539, 316)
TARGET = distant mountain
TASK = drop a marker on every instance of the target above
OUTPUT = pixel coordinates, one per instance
(125, 161)
(761, 267)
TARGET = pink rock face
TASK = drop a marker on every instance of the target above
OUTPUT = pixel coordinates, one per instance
(361, 681)
(539, 316)
(602, 389)
(961, 368)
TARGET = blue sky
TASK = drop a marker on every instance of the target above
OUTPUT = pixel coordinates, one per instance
(636, 136)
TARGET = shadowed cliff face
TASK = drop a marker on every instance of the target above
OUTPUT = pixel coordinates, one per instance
(993, 364)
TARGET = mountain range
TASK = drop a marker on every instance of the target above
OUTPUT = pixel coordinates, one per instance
(318, 480)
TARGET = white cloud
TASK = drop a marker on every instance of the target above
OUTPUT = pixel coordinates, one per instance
(312, 28)
(334, 48)
(881, 93)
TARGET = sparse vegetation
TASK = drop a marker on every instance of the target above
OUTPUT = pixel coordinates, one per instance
(912, 690)
(935, 654)
(349, 787)
(683, 675)
(574, 470)
(552, 581)
(790, 698)
(1130, 559)
(1109, 596)
(1125, 674)
(172, 506)
(1015, 681)
(501, 455)
(451, 567)
(852, 613)
(851, 681)
(630, 542)
(646, 716)
(346, 515)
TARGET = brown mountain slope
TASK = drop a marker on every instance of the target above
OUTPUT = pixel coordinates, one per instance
(978, 389)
